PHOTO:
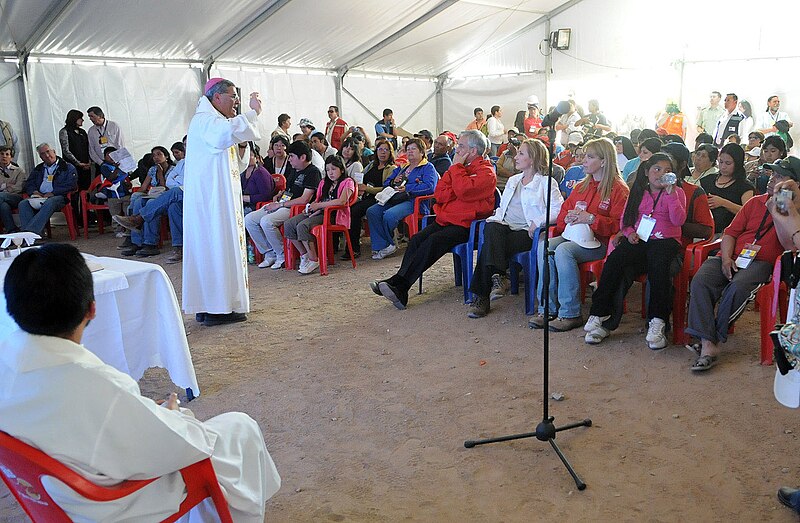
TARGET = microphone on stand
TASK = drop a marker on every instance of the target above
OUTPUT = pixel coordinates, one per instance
(559, 110)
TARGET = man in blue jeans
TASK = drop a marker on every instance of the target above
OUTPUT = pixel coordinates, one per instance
(52, 179)
(145, 226)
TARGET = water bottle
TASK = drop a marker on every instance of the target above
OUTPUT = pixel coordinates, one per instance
(668, 179)
(251, 255)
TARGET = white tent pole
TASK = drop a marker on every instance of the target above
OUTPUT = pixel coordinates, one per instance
(548, 70)
(51, 17)
(27, 118)
(362, 56)
(339, 80)
(344, 89)
(440, 80)
(5, 83)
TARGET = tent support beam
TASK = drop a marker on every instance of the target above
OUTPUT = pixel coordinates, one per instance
(338, 82)
(440, 81)
(420, 106)
(369, 111)
(27, 115)
(235, 37)
(513, 36)
(51, 18)
(5, 83)
(363, 56)
(548, 72)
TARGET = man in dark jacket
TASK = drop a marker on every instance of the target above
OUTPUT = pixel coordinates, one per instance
(47, 188)
(465, 193)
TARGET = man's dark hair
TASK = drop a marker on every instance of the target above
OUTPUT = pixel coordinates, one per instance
(96, 111)
(719, 94)
(282, 118)
(647, 133)
(321, 137)
(735, 98)
(387, 112)
(335, 108)
(4, 148)
(49, 289)
(476, 111)
(299, 137)
(710, 150)
(299, 148)
(178, 146)
(703, 138)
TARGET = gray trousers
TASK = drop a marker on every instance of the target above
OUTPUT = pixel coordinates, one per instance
(710, 286)
(299, 227)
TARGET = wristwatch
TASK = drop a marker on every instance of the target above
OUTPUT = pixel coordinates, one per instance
(591, 219)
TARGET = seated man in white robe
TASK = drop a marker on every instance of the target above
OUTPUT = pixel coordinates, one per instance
(60, 398)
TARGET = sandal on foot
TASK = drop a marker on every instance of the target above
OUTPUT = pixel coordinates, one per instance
(696, 348)
(705, 362)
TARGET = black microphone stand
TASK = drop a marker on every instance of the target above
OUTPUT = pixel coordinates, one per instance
(546, 430)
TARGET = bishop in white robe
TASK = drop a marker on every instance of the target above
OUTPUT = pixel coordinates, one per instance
(215, 280)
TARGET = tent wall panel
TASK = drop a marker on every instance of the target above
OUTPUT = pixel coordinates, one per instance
(520, 55)
(12, 109)
(462, 96)
(298, 95)
(152, 105)
(402, 96)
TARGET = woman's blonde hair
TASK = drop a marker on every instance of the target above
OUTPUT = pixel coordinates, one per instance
(605, 149)
(538, 153)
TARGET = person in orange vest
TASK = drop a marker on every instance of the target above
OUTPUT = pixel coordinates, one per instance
(672, 121)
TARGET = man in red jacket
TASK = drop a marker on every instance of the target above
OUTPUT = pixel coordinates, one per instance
(465, 193)
(335, 128)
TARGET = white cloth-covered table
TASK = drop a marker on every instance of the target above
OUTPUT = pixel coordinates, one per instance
(138, 325)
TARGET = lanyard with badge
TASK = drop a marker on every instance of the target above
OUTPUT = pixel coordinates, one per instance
(648, 223)
(103, 138)
(750, 250)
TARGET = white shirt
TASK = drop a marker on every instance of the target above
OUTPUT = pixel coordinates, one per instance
(497, 131)
(533, 198)
(766, 120)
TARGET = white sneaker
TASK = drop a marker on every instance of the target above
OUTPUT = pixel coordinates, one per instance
(656, 340)
(279, 261)
(303, 262)
(268, 261)
(595, 332)
(376, 255)
(388, 251)
(309, 267)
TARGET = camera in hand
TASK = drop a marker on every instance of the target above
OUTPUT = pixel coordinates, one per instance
(782, 200)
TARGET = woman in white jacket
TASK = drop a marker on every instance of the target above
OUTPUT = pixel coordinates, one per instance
(511, 229)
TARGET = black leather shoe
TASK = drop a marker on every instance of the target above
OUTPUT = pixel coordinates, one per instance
(395, 295)
(221, 319)
(130, 251)
(785, 496)
(346, 255)
(375, 286)
(148, 250)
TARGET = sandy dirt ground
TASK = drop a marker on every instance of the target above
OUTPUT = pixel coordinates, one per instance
(365, 408)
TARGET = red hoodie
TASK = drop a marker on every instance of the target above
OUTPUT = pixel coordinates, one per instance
(607, 212)
(465, 193)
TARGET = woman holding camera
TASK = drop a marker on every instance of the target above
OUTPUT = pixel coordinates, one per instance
(648, 242)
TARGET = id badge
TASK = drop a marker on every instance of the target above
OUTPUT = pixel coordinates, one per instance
(103, 140)
(747, 255)
(50, 178)
(646, 226)
(285, 197)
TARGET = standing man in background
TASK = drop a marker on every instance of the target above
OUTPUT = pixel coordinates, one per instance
(103, 134)
(9, 138)
(709, 116)
(215, 285)
(335, 128)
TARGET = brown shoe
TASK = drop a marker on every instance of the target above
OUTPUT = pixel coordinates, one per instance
(479, 307)
(132, 223)
(176, 256)
(566, 324)
(500, 286)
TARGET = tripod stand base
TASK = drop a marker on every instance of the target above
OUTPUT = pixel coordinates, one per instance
(545, 431)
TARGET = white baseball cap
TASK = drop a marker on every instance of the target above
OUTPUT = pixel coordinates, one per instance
(533, 100)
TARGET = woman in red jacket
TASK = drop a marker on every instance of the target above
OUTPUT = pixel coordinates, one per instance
(598, 202)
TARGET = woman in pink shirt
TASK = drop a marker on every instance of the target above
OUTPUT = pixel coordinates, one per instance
(648, 241)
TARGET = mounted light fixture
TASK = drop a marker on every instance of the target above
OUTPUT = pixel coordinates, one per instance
(560, 39)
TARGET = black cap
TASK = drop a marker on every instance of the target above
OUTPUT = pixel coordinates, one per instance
(789, 167)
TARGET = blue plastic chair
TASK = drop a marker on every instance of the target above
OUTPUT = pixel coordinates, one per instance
(526, 262)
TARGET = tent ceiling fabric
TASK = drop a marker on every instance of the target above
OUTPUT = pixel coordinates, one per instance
(302, 33)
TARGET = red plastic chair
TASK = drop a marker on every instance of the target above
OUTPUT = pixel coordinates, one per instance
(87, 206)
(23, 466)
(68, 216)
(413, 219)
(280, 182)
(324, 235)
(771, 298)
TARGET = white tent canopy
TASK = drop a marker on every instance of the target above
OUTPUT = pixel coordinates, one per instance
(431, 61)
